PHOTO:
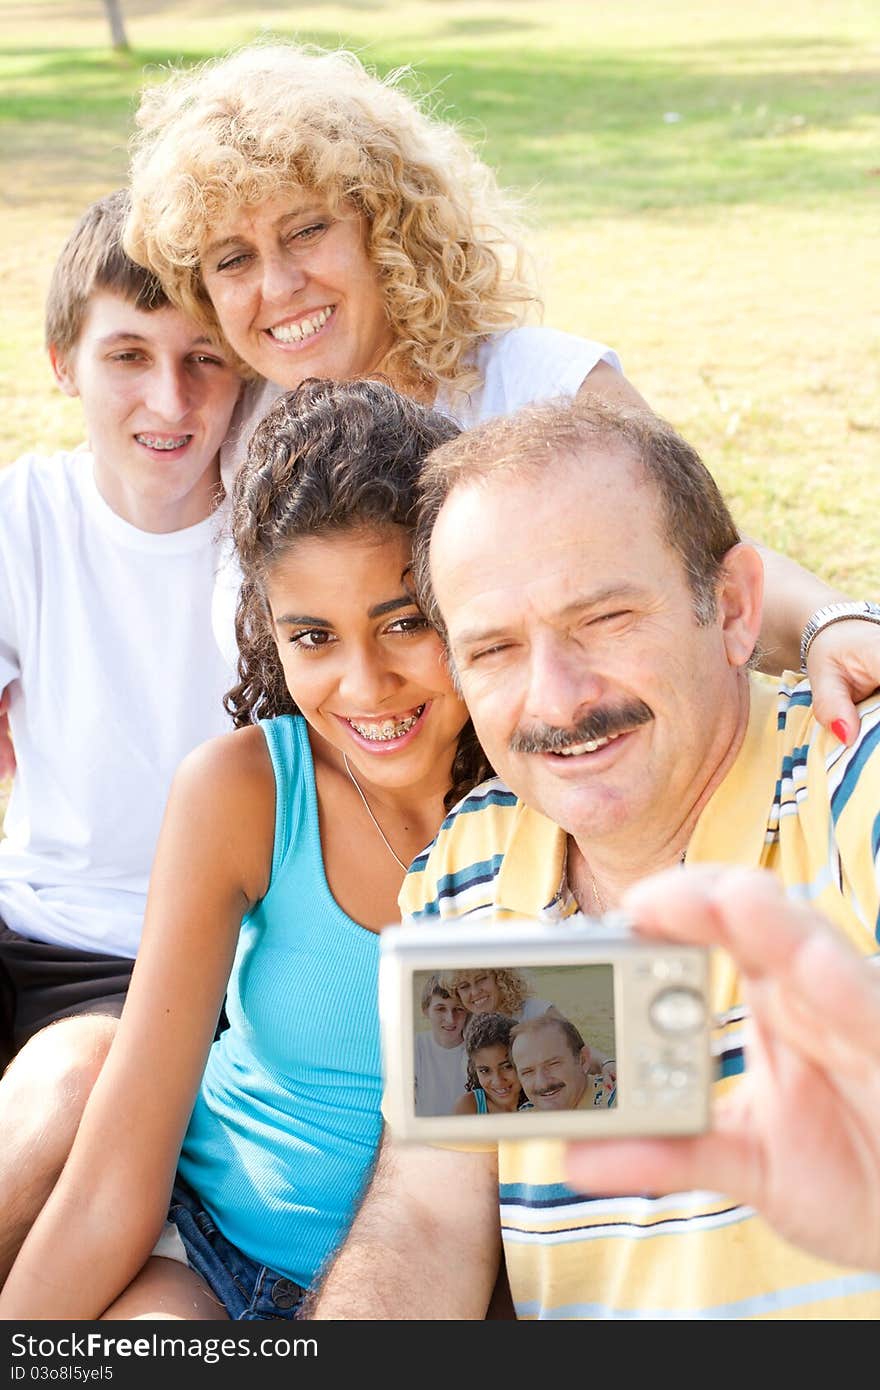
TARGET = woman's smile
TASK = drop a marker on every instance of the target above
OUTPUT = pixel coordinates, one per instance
(295, 292)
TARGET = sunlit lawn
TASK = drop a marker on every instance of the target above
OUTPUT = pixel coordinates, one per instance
(704, 185)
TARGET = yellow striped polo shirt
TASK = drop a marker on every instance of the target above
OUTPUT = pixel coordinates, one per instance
(795, 801)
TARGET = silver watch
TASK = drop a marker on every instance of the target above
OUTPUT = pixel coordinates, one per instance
(835, 613)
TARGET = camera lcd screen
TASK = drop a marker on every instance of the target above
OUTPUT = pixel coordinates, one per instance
(491, 1041)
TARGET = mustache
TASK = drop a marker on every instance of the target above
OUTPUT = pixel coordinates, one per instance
(599, 723)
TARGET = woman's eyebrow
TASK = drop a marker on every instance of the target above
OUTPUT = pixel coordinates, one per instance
(301, 620)
(213, 248)
(311, 210)
(390, 606)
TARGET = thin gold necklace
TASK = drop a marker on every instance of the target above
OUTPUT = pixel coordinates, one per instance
(594, 887)
(385, 840)
(597, 896)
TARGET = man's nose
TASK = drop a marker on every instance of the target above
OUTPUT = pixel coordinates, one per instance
(562, 683)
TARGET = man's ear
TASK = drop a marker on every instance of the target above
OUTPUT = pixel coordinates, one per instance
(62, 366)
(586, 1059)
(739, 597)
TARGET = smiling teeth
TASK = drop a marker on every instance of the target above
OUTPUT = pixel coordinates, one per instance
(156, 441)
(303, 328)
(388, 729)
(589, 747)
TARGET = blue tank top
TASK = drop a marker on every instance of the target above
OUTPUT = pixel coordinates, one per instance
(287, 1119)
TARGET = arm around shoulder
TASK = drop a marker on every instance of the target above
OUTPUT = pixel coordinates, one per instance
(612, 386)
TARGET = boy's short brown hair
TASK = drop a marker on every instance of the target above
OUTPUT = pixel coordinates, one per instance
(92, 259)
(432, 987)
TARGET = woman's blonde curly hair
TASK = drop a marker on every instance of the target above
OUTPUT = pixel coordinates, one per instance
(513, 988)
(237, 131)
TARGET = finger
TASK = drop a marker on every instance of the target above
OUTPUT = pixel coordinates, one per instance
(718, 1162)
(807, 986)
(826, 1003)
(742, 910)
(7, 752)
(833, 704)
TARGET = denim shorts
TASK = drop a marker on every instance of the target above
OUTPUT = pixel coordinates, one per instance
(249, 1292)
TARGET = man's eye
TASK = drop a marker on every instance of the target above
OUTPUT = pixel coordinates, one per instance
(483, 652)
(618, 614)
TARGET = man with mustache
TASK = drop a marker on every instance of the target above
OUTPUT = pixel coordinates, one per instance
(601, 615)
(553, 1065)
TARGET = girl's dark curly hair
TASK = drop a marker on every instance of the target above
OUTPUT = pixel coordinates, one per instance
(329, 456)
(485, 1030)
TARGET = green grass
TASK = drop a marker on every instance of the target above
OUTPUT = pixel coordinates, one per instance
(703, 181)
(704, 184)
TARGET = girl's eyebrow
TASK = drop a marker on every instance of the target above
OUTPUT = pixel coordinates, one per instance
(390, 606)
(301, 620)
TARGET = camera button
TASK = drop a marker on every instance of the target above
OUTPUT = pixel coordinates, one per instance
(678, 1011)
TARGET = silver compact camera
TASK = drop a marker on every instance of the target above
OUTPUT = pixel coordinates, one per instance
(520, 1029)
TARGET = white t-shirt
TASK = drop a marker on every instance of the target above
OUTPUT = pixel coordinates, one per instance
(517, 368)
(113, 677)
(441, 1073)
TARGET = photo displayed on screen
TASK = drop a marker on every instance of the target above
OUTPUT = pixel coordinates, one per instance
(493, 1041)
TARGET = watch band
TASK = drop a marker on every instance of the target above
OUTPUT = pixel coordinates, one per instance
(835, 613)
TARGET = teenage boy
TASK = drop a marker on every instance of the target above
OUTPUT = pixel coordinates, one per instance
(441, 1064)
(110, 672)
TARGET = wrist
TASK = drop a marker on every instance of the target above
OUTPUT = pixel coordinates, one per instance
(835, 613)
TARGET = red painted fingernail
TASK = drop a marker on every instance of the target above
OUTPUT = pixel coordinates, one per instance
(839, 730)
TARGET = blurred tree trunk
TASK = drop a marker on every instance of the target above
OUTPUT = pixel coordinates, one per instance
(117, 23)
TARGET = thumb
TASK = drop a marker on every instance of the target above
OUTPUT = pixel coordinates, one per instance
(833, 705)
(7, 752)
